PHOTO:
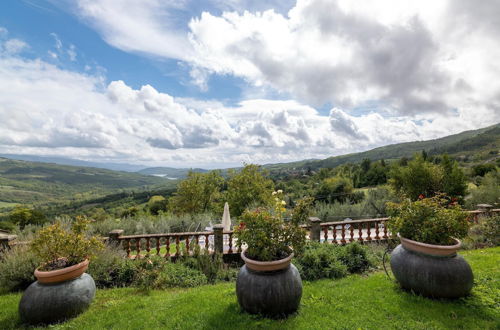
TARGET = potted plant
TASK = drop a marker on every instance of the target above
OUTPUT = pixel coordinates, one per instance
(268, 283)
(426, 261)
(62, 289)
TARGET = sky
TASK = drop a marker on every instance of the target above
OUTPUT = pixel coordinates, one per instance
(219, 83)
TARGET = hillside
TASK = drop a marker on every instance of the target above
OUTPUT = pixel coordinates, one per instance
(42, 183)
(170, 172)
(469, 146)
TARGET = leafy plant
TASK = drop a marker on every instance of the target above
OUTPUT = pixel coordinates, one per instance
(486, 233)
(58, 246)
(16, 268)
(355, 257)
(428, 220)
(320, 261)
(267, 235)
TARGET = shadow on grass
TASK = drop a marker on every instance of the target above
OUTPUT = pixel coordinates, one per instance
(233, 317)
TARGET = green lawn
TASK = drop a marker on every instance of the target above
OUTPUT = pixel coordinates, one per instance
(355, 302)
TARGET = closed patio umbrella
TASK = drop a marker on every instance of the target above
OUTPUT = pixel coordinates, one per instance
(226, 218)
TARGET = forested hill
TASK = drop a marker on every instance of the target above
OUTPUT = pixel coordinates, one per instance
(475, 146)
(35, 183)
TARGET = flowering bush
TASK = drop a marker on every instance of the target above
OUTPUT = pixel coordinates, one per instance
(60, 247)
(267, 235)
(433, 220)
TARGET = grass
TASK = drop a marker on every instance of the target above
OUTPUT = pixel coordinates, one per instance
(355, 302)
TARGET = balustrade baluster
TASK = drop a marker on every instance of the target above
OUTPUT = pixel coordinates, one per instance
(148, 246)
(138, 247)
(177, 246)
(368, 231)
(325, 232)
(197, 240)
(158, 243)
(334, 234)
(127, 242)
(230, 243)
(167, 247)
(206, 241)
(343, 234)
(351, 229)
(377, 237)
(187, 245)
(360, 232)
(385, 230)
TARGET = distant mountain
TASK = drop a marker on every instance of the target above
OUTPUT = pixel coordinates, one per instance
(170, 172)
(478, 145)
(76, 162)
(42, 183)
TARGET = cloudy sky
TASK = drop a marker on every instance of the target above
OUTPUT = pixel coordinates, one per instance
(217, 83)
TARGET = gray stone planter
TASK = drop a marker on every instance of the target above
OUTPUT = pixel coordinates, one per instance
(432, 276)
(51, 303)
(273, 294)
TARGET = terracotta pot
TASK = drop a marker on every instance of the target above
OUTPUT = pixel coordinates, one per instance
(62, 275)
(266, 266)
(431, 249)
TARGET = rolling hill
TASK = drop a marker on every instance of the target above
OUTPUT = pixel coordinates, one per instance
(42, 183)
(470, 146)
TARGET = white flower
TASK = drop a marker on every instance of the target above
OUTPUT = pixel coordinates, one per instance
(277, 199)
(274, 193)
(280, 191)
(283, 203)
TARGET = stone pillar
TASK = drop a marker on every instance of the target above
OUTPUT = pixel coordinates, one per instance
(315, 233)
(218, 238)
(5, 241)
(114, 236)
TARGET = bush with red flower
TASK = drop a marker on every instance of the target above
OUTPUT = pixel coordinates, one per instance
(435, 220)
(267, 235)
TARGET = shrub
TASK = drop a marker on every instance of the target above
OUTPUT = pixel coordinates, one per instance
(17, 266)
(59, 247)
(488, 192)
(110, 268)
(267, 235)
(486, 233)
(355, 257)
(320, 261)
(209, 264)
(159, 273)
(428, 220)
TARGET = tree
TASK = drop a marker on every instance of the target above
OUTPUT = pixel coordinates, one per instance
(418, 178)
(454, 180)
(249, 186)
(198, 193)
(334, 189)
(23, 216)
(157, 204)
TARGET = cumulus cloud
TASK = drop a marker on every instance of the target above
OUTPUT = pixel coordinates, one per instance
(47, 110)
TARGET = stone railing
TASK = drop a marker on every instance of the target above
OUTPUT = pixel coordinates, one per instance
(220, 241)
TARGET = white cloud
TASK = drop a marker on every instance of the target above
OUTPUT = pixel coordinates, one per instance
(47, 110)
(14, 46)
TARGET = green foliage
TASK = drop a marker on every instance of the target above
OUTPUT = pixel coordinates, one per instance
(428, 220)
(267, 235)
(485, 233)
(482, 169)
(355, 257)
(421, 177)
(302, 210)
(248, 187)
(157, 204)
(320, 261)
(488, 192)
(418, 178)
(334, 189)
(109, 268)
(55, 243)
(17, 266)
(159, 273)
(199, 192)
(23, 216)
(211, 265)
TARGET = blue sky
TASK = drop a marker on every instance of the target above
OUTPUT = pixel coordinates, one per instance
(217, 83)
